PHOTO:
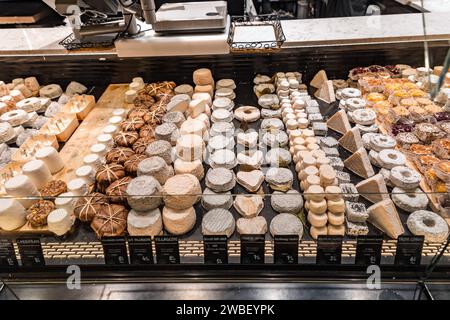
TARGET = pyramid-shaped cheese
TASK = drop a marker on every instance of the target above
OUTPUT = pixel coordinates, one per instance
(319, 79)
(339, 122)
(351, 141)
(373, 189)
(384, 216)
(359, 163)
(326, 92)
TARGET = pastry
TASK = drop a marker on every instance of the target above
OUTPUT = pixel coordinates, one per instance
(118, 155)
(125, 139)
(38, 212)
(53, 188)
(110, 221)
(107, 174)
(144, 193)
(87, 207)
(427, 132)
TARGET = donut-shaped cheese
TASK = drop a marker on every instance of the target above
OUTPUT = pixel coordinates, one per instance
(353, 104)
(380, 142)
(428, 224)
(6, 132)
(29, 104)
(14, 117)
(365, 117)
(348, 93)
(247, 114)
(317, 220)
(405, 177)
(409, 200)
(51, 91)
(389, 158)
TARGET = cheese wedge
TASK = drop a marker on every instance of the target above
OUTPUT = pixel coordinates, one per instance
(319, 79)
(351, 141)
(384, 216)
(339, 122)
(326, 92)
(373, 189)
(359, 163)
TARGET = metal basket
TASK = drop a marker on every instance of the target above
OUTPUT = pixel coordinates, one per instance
(256, 46)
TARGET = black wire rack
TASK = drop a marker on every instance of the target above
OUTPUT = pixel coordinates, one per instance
(256, 46)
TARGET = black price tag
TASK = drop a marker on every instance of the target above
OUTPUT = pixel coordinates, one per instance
(409, 250)
(140, 250)
(167, 250)
(115, 250)
(7, 254)
(30, 251)
(252, 249)
(286, 249)
(368, 250)
(329, 250)
(215, 249)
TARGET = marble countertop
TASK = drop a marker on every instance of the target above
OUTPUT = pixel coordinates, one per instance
(428, 5)
(299, 33)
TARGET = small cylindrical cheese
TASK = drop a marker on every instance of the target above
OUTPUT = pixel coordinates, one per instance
(115, 120)
(92, 160)
(87, 173)
(22, 187)
(99, 149)
(78, 187)
(12, 214)
(110, 129)
(59, 222)
(51, 158)
(119, 112)
(105, 139)
(38, 172)
(130, 95)
(66, 201)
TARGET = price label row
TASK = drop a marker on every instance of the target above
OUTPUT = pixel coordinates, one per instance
(138, 250)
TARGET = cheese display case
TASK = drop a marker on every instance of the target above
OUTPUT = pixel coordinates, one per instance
(303, 162)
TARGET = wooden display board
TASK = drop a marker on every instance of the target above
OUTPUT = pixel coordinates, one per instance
(78, 146)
